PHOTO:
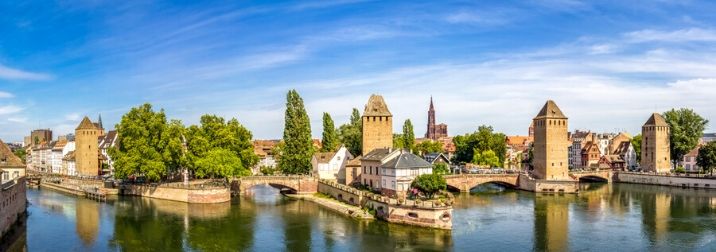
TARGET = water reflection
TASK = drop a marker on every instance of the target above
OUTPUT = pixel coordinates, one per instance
(551, 222)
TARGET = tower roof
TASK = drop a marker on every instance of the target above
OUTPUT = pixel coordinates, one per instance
(550, 110)
(376, 107)
(656, 120)
(86, 124)
(431, 104)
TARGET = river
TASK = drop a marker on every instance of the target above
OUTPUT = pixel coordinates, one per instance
(604, 217)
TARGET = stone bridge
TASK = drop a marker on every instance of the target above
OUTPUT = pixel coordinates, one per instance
(593, 175)
(465, 182)
(294, 184)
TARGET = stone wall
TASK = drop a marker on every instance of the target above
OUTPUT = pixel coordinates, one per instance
(189, 195)
(13, 203)
(547, 186)
(300, 184)
(652, 179)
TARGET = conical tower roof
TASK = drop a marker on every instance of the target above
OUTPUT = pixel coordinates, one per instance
(7, 158)
(550, 110)
(86, 124)
(656, 120)
(376, 107)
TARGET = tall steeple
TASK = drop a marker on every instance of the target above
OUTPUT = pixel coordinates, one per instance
(430, 134)
(99, 121)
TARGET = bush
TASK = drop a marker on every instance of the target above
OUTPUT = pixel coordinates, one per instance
(680, 169)
(429, 184)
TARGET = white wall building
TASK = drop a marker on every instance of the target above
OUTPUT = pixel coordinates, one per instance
(399, 172)
(331, 165)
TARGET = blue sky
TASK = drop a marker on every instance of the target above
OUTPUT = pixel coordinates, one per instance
(607, 64)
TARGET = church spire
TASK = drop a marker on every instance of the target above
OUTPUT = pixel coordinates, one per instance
(99, 121)
(431, 103)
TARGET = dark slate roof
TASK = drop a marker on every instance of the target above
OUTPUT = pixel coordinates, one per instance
(376, 107)
(377, 154)
(7, 158)
(107, 140)
(623, 148)
(550, 110)
(430, 157)
(407, 160)
(656, 120)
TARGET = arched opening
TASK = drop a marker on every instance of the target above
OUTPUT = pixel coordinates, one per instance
(492, 187)
(451, 188)
(593, 179)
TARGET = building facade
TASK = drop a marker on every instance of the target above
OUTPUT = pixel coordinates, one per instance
(13, 200)
(377, 125)
(655, 152)
(398, 173)
(371, 164)
(331, 165)
(551, 144)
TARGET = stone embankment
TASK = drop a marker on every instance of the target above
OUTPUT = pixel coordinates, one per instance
(666, 180)
(340, 207)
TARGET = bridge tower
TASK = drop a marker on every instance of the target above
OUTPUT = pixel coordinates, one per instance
(377, 125)
(551, 144)
(655, 152)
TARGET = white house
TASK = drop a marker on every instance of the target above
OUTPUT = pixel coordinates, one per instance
(331, 165)
(106, 142)
(399, 172)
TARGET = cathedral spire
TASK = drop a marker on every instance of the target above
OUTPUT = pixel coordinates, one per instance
(431, 103)
(99, 121)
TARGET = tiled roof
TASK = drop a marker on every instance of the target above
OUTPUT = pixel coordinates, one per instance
(376, 107)
(108, 139)
(550, 110)
(377, 154)
(622, 148)
(656, 120)
(406, 160)
(7, 158)
(324, 157)
(70, 156)
(86, 124)
(355, 161)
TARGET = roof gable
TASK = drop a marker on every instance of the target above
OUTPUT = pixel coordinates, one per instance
(86, 124)
(376, 107)
(550, 110)
(656, 120)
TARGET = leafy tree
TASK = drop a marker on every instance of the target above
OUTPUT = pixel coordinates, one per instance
(296, 157)
(139, 148)
(440, 168)
(636, 143)
(21, 153)
(707, 157)
(398, 141)
(429, 147)
(408, 135)
(329, 142)
(215, 136)
(686, 129)
(219, 162)
(486, 157)
(172, 140)
(429, 184)
(351, 134)
(481, 140)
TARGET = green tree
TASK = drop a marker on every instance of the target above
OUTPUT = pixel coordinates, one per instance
(296, 157)
(351, 134)
(707, 157)
(429, 147)
(408, 135)
(481, 140)
(21, 153)
(429, 184)
(172, 141)
(398, 141)
(636, 143)
(139, 148)
(486, 157)
(686, 129)
(221, 163)
(440, 168)
(329, 142)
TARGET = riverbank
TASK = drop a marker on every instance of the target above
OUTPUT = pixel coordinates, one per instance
(332, 204)
(666, 180)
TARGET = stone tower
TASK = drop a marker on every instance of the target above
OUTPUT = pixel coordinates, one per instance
(86, 148)
(655, 152)
(550, 144)
(377, 125)
(430, 134)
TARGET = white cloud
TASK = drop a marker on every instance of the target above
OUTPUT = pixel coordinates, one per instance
(16, 74)
(9, 109)
(683, 35)
(6, 95)
(17, 119)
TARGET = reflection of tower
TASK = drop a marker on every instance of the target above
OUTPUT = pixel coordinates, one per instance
(551, 224)
(87, 215)
(662, 211)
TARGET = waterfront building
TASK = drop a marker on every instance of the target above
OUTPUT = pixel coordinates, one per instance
(39, 136)
(56, 156)
(107, 142)
(13, 202)
(434, 132)
(331, 165)
(689, 160)
(655, 152)
(69, 166)
(626, 152)
(87, 155)
(400, 170)
(579, 140)
(590, 156)
(377, 125)
(603, 140)
(551, 144)
(616, 142)
(353, 171)
(370, 166)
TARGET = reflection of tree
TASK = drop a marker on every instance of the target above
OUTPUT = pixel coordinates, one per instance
(551, 223)
(230, 233)
(297, 226)
(138, 227)
(87, 224)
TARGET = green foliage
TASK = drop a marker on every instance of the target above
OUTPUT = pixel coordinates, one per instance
(408, 135)
(429, 184)
(219, 162)
(486, 157)
(21, 153)
(481, 140)
(267, 170)
(351, 134)
(636, 143)
(398, 141)
(329, 142)
(429, 146)
(680, 169)
(686, 129)
(172, 141)
(139, 148)
(707, 157)
(440, 168)
(216, 136)
(296, 156)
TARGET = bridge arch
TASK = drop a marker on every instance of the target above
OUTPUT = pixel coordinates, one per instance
(467, 182)
(593, 178)
(290, 184)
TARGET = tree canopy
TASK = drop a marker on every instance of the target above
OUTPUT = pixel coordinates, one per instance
(481, 140)
(408, 135)
(487, 158)
(351, 133)
(429, 184)
(707, 157)
(440, 168)
(398, 141)
(215, 136)
(429, 146)
(686, 128)
(636, 143)
(329, 141)
(298, 151)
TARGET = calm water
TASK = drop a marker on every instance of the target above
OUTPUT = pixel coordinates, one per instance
(603, 217)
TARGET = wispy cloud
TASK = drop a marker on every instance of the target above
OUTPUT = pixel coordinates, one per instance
(17, 74)
(682, 35)
(9, 109)
(6, 95)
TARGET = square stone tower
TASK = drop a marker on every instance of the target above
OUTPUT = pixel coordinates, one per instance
(87, 148)
(377, 125)
(655, 152)
(551, 161)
